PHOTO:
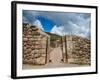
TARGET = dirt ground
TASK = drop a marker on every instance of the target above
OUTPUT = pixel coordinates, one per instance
(55, 56)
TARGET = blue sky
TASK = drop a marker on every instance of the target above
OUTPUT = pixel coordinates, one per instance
(47, 23)
(60, 23)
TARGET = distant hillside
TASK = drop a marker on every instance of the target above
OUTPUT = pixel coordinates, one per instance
(53, 36)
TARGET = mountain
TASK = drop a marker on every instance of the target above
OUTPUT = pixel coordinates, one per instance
(53, 37)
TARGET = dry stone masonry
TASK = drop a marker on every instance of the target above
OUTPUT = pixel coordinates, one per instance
(38, 44)
(78, 50)
(34, 45)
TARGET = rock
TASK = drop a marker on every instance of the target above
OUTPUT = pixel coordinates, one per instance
(25, 39)
(34, 50)
(79, 49)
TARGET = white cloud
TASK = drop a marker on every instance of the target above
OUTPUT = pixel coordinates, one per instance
(65, 23)
(71, 28)
(59, 30)
(38, 24)
(80, 30)
(56, 30)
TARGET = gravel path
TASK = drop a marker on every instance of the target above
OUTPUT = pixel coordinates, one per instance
(56, 55)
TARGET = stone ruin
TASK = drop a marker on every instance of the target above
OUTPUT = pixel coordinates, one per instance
(34, 45)
(77, 50)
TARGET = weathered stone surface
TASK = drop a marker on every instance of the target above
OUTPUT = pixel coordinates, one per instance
(34, 45)
(79, 49)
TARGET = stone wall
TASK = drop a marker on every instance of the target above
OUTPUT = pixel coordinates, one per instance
(34, 45)
(78, 50)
